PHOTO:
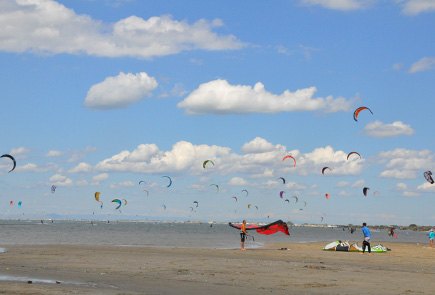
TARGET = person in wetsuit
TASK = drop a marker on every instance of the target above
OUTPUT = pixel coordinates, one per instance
(243, 235)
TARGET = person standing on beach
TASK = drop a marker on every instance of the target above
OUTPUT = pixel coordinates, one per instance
(243, 235)
(431, 238)
(367, 236)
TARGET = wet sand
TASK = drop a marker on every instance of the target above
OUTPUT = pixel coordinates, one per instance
(303, 269)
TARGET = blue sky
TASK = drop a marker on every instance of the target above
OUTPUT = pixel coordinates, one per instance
(99, 95)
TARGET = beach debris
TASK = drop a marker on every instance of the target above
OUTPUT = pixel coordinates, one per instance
(324, 168)
(57, 282)
(358, 110)
(287, 157)
(365, 191)
(29, 282)
(428, 177)
(205, 163)
(170, 180)
(268, 229)
(13, 160)
(283, 179)
(348, 155)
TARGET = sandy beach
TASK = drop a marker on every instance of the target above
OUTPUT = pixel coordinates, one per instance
(303, 269)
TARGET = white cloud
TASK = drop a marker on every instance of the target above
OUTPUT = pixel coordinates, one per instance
(31, 167)
(342, 184)
(60, 180)
(178, 90)
(54, 153)
(401, 186)
(414, 7)
(237, 181)
(398, 174)
(381, 130)
(359, 183)
(424, 64)
(345, 194)
(220, 98)
(82, 182)
(81, 168)
(405, 160)
(100, 177)
(50, 27)
(397, 66)
(410, 194)
(20, 153)
(120, 91)
(122, 184)
(427, 187)
(257, 145)
(344, 5)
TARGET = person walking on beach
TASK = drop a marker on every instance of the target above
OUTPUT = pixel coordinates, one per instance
(431, 238)
(243, 235)
(366, 242)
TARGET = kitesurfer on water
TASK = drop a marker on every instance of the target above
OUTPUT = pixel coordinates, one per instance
(243, 235)
(367, 237)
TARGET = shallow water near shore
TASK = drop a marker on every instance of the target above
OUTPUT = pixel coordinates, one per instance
(170, 235)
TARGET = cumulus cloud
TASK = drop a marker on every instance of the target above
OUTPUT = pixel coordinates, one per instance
(344, 5)
(120, 91)
(401, 186)
(20, 153)
(342, 184)
(31, 167)
(358, 183)
(381, 130)
(100, 177)
(237, 181)
(122, 184)
(427, 187)
(54, 153)
(257, 145)
(60, 180)
(424, 64)
(50, 27)
(221, 98)
(414, 7)
(398, 174)
(81, 168)
(402, 163)
(72, 155)
(345, 194)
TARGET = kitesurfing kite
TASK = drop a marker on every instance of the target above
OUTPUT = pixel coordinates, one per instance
(191, 209)
(19, 204)
(283, 180)
(287, 200)
(249, 206)
(12, 158)
(117, 201)
(280, 193)
(97, 196)
(358, 110)
(53, 189)
(327, 196)
(352, 154)
(428, 177)
(205, 162)
(365, 191)
(321, 218)
(296, 198)
(234, 198)
(148, 193)
(164, 207)
(125, 201)
(170, 180)
(141, 182)
(268, 229)
(305, 203)
(196, 202)
(12, 203)
(288, 156)
(324, 168)
(376, 192)
(246, 192)
(217, 186)
(256, 207)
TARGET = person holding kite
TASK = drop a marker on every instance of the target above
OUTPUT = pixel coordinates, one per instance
(243, 235)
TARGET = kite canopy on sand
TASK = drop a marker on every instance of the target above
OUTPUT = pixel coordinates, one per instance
(268, 229)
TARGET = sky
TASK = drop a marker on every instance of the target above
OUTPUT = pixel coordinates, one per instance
(98, 95)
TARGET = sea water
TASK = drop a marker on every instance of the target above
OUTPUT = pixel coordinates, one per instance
(171, 234)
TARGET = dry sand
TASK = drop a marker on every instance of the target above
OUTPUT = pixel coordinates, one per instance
(304, 269)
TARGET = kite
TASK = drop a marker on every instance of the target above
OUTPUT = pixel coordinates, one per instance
(280, 193)
(164, 207)
(256, 207)
(246, 192)
(352, 154)
(170, 180)
(97, 196)
(191, 209)
(141, 182)
(234, 198)
(305, 203)
(125, 201)
(428, 177)
(283, 180)
(12, 158)
(286, 157)
(358, 110)
(19, 204)
(53, 189)
(287, 200)
(249, 206)
(205, 162)
(296, 198)
(148, 193)
(268, 229)
(327, 196)
(196, 202)
(324, 168)
(365, 191)
(376, 192)
(321, 218)
(117, 201)
(12, 203)
(217, 186)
